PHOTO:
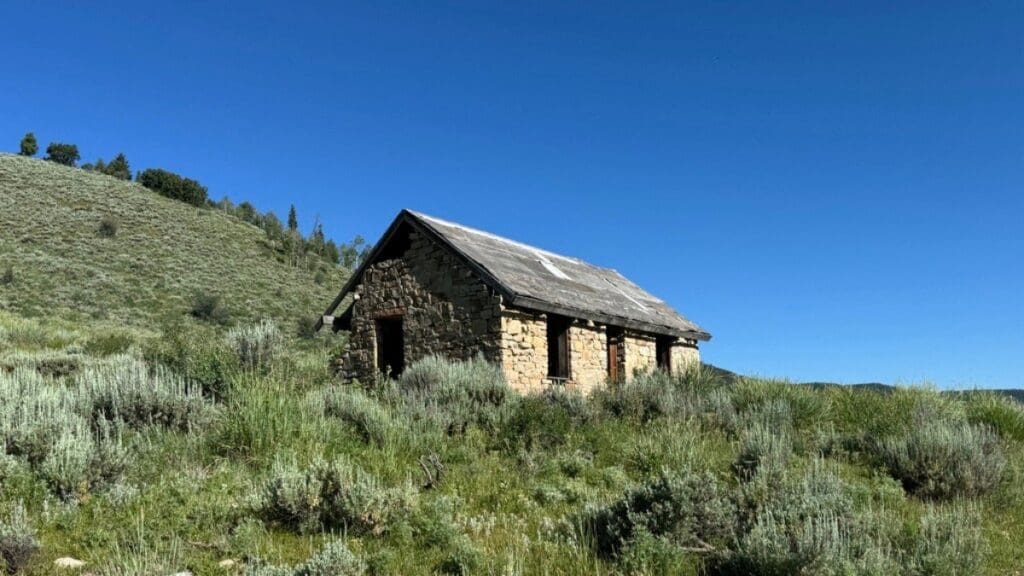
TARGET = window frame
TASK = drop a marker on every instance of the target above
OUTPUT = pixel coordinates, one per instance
(559, 347)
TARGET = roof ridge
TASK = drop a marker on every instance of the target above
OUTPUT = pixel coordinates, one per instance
(517, 243)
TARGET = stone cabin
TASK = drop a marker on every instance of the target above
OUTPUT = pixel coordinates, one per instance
(431, 287)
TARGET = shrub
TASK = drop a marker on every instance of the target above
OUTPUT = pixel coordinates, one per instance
(66, 466)
(648, 554)
(772, 414)
(763, 448)
(334, 559)
(18, 542)
(806, 524)
(29, 146)
(366, 415)
(43, 424)
(108, 343)
(544, 420)
(256, 345)
(173, 186)
(949, 543)
(127, 392)
(644, 398)
(197, 353)
(209, 307)
(462, 558)
(305, 327)
(7, 276)
(693, 510)
(66, 154)
(268, 570)
(108, 227)
(452, 395)
(52, 363)
(940, 460)
(822, 544)
(331, 496)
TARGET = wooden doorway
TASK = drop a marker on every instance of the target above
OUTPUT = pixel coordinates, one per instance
(390, 346)
(615, 354)
(663, 352)
(558, 347)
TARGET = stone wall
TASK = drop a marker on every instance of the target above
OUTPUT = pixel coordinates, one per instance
(524, 349)
(588, 357)
(446, 310)
(641, 353)
(685, 354)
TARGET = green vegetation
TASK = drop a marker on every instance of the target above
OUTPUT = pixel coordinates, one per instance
(118, 167)
(149, 454)
(173, 186)
(154, 418)
(66, 154)
(87, 247)
(28, 146)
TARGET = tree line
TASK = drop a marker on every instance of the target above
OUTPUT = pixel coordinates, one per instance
(301, 251)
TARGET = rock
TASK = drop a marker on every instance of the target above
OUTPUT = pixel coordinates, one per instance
(229, 563)
(68, 562)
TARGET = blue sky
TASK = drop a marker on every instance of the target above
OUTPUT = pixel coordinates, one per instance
(835, 192)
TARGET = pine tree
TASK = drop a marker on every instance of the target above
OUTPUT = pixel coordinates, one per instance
(293, 219)
(118, 168)
(29, 146)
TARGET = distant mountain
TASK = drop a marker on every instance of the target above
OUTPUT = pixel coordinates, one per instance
(730, 376)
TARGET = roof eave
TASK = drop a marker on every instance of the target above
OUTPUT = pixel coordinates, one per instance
(544, 306)
(511, 297)
(356, 276)
(422, 226)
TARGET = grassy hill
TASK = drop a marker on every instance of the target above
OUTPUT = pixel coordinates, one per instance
(163, 253)
(180, 445)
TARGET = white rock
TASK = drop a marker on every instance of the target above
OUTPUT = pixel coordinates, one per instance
(68, 562)
(226, 563)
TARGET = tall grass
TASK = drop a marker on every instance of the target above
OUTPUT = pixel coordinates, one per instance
(256, 345)
(449, 471)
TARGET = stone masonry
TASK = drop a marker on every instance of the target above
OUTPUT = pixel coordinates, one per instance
(524, 349)
(684, 355)
(641, 353)
(448, 311)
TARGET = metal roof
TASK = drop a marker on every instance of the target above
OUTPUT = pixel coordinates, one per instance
(536, 279)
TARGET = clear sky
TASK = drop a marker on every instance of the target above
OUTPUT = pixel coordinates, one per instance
(835, 192)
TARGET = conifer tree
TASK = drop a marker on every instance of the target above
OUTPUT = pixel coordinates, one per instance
(293, 219)
(29, 146)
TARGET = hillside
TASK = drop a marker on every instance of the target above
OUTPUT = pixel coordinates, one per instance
(182, 447)
(162, 254)
(187, 452)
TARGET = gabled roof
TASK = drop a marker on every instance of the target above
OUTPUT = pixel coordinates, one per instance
(536, 279)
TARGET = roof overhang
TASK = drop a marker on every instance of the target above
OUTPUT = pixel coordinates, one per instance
(528, 303)
(510, 298)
